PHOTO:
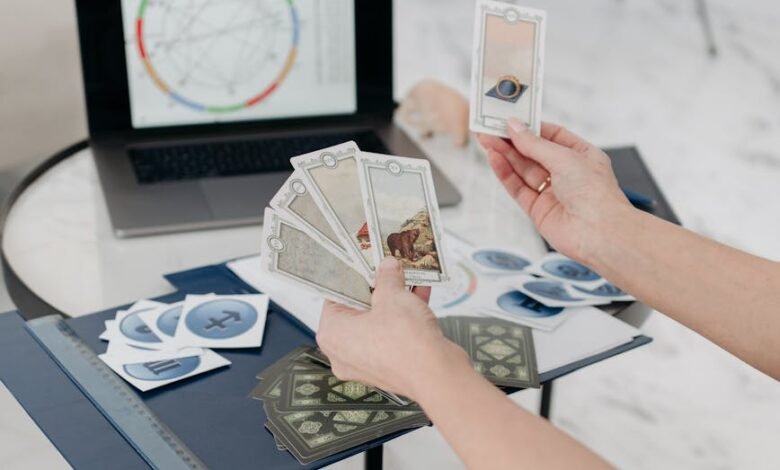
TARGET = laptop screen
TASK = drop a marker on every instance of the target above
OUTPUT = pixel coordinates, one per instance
(208, 61)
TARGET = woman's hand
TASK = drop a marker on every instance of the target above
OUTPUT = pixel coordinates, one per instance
(574, 209)
(396, 345)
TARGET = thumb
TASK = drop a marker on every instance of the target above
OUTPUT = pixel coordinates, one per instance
(548, 154)
(389, 278)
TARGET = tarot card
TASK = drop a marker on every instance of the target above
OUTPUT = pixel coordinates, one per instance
(295, 356)
(403, 216)
(290, 252)
(507, 67)
(510, 304)
(153, 374)
(313, 435)
(582, 279)
(501, 351)
(225, 321)
(499, 260)
(296, 202)
(331, 175)
(553, 293)
(322, 391)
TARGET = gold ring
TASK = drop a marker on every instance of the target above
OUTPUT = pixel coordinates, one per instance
(544, 185)
(514, 81)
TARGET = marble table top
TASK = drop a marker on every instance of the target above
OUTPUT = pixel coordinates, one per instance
(617, 73)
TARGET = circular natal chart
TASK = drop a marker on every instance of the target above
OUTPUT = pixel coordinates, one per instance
(216, 56)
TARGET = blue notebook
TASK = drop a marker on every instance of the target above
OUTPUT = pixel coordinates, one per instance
(210, 413)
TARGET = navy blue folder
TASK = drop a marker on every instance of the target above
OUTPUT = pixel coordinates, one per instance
(211, 413)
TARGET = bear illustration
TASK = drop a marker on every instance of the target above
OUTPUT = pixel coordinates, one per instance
(403, 243)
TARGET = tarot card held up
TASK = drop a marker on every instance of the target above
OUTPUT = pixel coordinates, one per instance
(507, 67)
(403, 215)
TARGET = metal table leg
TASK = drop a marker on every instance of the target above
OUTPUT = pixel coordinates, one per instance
(544, 407)
(374, 458)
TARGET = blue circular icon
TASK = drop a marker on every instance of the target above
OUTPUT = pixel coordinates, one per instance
(169, 319)
(570, 270)
(519, 304)
(134, 328)
(222, 318)
(604, 290)
(497, 259)
(163, 370)
(551, 290)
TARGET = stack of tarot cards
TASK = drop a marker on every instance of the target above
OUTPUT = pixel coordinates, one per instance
(342, 211)
(313, 415)
(153, 344)
(502, 351)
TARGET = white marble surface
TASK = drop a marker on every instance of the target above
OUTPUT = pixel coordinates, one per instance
(617, 72)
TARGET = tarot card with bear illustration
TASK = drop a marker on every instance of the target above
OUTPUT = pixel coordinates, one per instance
(403, 215)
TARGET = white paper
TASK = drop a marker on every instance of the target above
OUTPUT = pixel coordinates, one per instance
(505, 302)
(128, 327)
(226, 321)
(106, 334)
(128, 354)
(589, 332)
(581, 279)
(499, 260)
(554, 293)
(149, 375)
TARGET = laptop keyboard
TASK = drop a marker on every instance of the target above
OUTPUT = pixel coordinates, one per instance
(220, 159)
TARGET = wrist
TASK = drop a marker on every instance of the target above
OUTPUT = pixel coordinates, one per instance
(444, 361)
(607, 235)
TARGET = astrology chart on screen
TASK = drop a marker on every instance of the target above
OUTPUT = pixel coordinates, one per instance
(205, 61)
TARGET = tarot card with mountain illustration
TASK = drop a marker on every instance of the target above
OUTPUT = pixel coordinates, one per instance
(403, 216)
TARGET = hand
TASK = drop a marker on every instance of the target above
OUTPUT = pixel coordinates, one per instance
(395, 345)
(573, 212)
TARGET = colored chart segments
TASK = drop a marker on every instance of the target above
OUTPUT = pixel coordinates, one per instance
(183, 53)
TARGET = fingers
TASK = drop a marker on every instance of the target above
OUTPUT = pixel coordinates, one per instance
(389, 279)
(530, 171)
(514, 185)
(562, 136)
(424, 293)
(550, 155)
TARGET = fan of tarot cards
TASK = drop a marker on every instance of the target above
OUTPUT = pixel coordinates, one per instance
(313, 415)
(342, 211)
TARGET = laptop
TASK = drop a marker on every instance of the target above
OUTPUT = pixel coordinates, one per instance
(195, 107)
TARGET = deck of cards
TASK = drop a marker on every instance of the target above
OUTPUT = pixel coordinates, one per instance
(153, 344)
(312, 414)
(507, 67)
(342, 211)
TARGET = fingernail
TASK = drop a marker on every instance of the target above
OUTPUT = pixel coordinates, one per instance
(389, 263)
(517, 125)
